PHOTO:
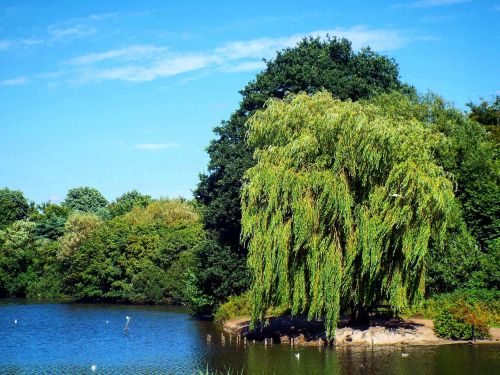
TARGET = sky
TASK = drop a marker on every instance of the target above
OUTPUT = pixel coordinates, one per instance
(123, 95)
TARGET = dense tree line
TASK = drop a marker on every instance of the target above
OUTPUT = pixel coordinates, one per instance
(134, 249)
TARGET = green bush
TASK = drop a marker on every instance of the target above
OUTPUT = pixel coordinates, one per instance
(236, 306)
(463, 321)
(239, 306)
(436, 305)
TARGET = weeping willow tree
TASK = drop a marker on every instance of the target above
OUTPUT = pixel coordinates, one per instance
(341, 206)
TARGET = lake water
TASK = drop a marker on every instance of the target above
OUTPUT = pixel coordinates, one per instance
(70, 338)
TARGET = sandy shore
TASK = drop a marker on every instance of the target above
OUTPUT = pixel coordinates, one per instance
(299, 331)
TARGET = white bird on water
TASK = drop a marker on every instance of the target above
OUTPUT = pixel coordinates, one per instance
(93, 368)
(15, 321)
(404, 355)
(297, 355)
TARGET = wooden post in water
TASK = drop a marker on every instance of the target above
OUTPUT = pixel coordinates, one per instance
(244, 340)
(209, 338)
(230, 338)
(125, 330)
(223, 339)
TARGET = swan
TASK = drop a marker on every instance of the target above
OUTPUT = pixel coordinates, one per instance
(297, 355)
(93, 368)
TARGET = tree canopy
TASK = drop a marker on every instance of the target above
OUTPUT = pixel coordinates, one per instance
(126, 202)
(341, 206)
(312, 65)
(487, 114)
(85, 199)
(13, 206)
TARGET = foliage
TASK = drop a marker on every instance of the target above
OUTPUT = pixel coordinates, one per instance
(240, 306)
(312, 65)
(16, 257)
(487, 114)
(471, 158)
(236, 306)
(85, 199)
(133, 257)
(13, 207)
(163, 211)
(79, 227)
(340, 207)
(489, 300)
(217, 273)
(462, 321)
(50, 220)
(48, 280)
(126, 202)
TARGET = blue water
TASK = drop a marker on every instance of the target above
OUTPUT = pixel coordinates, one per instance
(70, 338)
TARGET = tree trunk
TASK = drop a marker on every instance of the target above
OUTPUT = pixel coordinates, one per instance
(359, 316)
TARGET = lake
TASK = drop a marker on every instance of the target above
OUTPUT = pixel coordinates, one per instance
(60, 338)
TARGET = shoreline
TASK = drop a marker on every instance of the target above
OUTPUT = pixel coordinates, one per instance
(380, 332)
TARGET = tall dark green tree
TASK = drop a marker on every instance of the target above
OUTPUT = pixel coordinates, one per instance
(13, 207)
(314, 64)
(85, 199)
(487, 114)
(127, 201)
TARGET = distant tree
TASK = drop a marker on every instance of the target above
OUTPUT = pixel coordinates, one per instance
(134, 256)
(487, 114)
(78, 229)
(50, 220)
(341, 207)
(163, 211)
(17, 253)
(85, 199)
(127, 202)
(13, 207)
(312, 65)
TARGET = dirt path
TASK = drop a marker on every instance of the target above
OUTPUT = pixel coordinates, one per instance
(299, 331)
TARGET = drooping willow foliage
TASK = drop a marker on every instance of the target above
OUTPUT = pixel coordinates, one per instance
(340, 207)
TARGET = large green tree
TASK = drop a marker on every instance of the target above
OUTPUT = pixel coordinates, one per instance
(85, 199)
(341, 207)
(127, 201)
(487, 114)
(13, 207)
(312, 65)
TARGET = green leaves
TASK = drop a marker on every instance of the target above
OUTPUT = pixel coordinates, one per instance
(310, 66)
(340, 207)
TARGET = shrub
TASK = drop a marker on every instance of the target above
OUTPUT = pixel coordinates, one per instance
(436, 305)
(234, 307)
(239, 306)
(463, 321)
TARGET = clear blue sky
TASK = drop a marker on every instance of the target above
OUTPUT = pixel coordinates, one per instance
(123, 95)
